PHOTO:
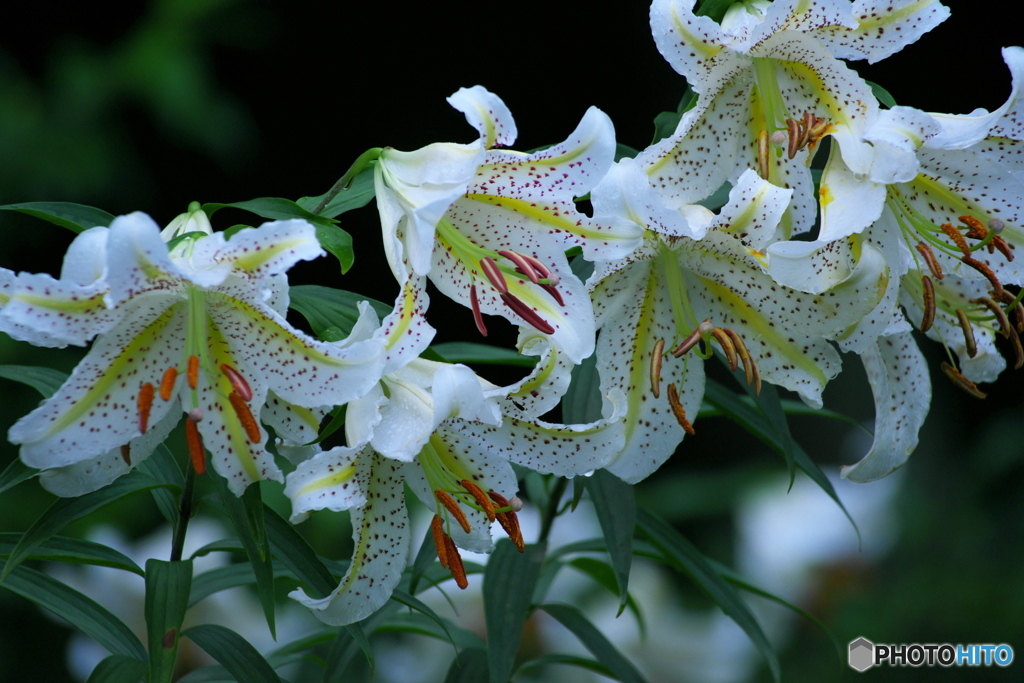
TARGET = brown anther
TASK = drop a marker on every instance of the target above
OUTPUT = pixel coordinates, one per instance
(480, 497)
(965, 325)
(958, 239)
(452, 507)
(727, 347)
(542, 270)
(702, 331)
(983, 268)
(555, 294)
(741, 348)
(1017, 350)
(793, 128)
(928, 296)
(1000, 244)
(929, 257)
(193, 371)
(195, 446)
(763, 154)
(478, 318)
(455, 565)
(522, 265)
(126, 454)
(167, 383)
(527, 313)
(494, 274)
(997, 312)
(656, 361)
(1018, 313)
(816, 132)
(678, 410)
(437, 529)
(237, 381)
(144, 402)
(961, 381)
(508, 520)
(252, 429)
(976, 230)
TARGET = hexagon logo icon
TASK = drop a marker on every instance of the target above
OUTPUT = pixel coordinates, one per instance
(862, 654)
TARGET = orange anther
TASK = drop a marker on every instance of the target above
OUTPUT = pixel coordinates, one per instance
(437, 529)
(481, 498)
(678, 410)
(957, 238)
(928, 296)
(929, 257)
(961, 381)
(453, 507)
(252, 429)
(976, 230)
(455, 565)
(167, 383)
(195, 446)
(144, 402)
(193, 371)
(508, 520)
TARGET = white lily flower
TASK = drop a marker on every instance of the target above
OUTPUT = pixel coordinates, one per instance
(489, 227)
(773, 73)
(190, 330)
(676, 293)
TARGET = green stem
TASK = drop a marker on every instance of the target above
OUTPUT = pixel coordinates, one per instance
(554, 498)
(184, 513)
(345, 181)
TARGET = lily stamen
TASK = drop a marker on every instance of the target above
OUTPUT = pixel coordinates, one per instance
(478, 318)
(929, 257)
(196, 452)
(508, 520)
(763, 154)
(965, 325)
(449, 503)
(193, 372)
(997, 312)
(237, 381)
(480, 497)
(656, 362)
(961, 381)
(678, 410)
(522, 265)
(455, 565)
(248, 422)
(749, 367)
(167, 383)
(527, 313)
(494, 274)
(437, 529)
(126, 454)
(727, 347)
(144, 402)
(703, 331)
(928, 295)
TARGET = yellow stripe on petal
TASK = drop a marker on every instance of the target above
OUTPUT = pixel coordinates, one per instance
(333, 479)
(73, 305)
(268, 252)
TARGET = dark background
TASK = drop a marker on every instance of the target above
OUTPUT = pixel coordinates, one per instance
(151, 105)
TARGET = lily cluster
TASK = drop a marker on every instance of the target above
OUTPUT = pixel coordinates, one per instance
(915, 223)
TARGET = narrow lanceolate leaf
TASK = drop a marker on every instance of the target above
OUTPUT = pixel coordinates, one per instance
(604, 575)
(472, 352)
(74, 217)
(44, 380)
(291, 550)
(163, 468)
(167, 591)
(246, 515)
(616, 510)
(594, 640)
(234, 652)
(81, 612)
(63, 549)
(223, 578)
(325, 308)
(358, 636)
(470, 666)
(118, 669)
(358, 195)
(686, 558)
(66, 510)
(508, 587)
(15, 473)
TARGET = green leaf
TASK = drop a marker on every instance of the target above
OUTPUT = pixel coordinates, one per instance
(326, 308)
(246, 515)
(424, 559)
(167, 589)
(74, 217)
(222, 578)
(162, 466)
(421, 624)
(44, 380)
(64, 549)
(715, 9)
(625, 151)
(358, 195)
(594, 640)
(66, 510)
(291, 550)
(118, 669)
(882, 94)
(616, 511)
(604, 575)
(582, 402)
(665, 124)
(82, 612)
(484, 354)
(544, 661)
(686, 558)
(411, 602)
(508, 587)
(355, 631)
(338, 242)
(234, 652)
(15, 473)
(470, 666)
